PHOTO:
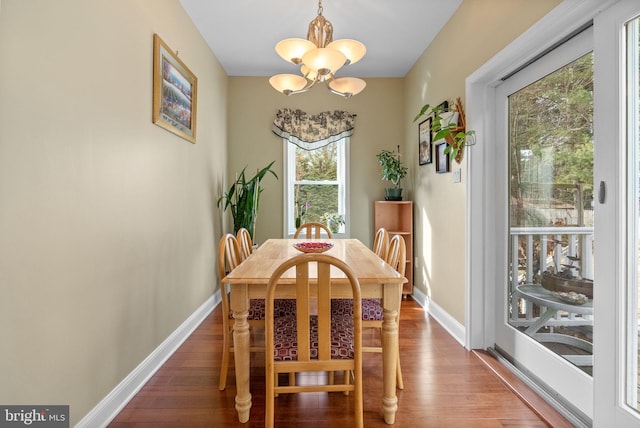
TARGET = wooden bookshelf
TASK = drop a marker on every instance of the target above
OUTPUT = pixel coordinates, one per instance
(397, 218)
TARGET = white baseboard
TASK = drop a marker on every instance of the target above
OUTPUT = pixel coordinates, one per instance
(455, 329)
(109, 407)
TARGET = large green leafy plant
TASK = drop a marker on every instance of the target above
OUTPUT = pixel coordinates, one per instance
(243, 198)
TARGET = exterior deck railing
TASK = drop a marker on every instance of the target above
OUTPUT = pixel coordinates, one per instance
(534, 250)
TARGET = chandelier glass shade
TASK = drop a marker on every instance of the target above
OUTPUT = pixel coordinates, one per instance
(319, 58)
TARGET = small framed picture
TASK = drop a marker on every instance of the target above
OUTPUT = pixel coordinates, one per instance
(442, 158)
(175, 90)
(424, 142)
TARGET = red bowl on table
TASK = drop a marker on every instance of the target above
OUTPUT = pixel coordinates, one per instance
(313, 246)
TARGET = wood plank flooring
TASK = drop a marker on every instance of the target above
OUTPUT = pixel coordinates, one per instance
(445, 386)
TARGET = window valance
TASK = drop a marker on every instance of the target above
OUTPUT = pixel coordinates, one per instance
(311, 132)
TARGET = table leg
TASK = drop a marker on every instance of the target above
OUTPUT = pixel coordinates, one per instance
(391, 303)
(241, 354)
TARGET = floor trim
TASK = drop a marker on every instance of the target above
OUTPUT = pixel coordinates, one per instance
(109, 407)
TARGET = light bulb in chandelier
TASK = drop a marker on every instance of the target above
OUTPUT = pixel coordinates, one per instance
(347, 86)
(287, 83)
(324, 61)
(353, 50)
(320, 58)
(293, 50)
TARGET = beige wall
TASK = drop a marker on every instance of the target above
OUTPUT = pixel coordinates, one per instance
(477, 31)
(107, 221)
(379, 124)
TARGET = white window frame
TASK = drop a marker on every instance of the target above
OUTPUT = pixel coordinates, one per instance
(290, 181)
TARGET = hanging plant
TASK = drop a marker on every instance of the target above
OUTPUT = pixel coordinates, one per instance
(445, 127)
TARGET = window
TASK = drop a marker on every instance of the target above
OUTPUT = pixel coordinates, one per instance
(316, 183)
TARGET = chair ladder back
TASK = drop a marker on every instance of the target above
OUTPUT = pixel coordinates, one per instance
(244, 241)
(228, 258)
(397, 254)
(324, 311)
(222, 272)
(232, 252)
(381, 242)
(303, 312)
(312, 230)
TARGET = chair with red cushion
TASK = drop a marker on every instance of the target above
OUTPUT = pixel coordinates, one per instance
(372, 308)
(229, 257)
(313, 343)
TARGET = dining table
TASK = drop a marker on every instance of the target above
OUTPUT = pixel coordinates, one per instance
(377, 280)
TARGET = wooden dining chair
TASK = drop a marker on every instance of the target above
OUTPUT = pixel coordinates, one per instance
(229, 256)
(312, 230)
(312, 343)
(397, 259)
(381, 243)
(244, 241)
(372, 309)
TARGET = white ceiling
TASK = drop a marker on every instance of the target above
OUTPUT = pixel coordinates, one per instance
(242, 33)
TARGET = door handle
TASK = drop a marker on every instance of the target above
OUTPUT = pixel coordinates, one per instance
(602, 193)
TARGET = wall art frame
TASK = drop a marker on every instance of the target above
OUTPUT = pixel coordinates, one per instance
(175, 92)
(442, 158)
(425, 146)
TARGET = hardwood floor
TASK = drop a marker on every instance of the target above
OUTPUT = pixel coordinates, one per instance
(445, 386)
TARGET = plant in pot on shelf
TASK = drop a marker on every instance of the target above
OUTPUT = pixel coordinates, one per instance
(392, 171)
(243, 198)
(333, 221)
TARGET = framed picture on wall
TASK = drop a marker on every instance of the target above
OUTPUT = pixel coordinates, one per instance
(442, 158)
(424, 142)
(175, 92)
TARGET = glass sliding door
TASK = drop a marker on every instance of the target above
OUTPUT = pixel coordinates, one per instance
(545, 319)
(551, 211)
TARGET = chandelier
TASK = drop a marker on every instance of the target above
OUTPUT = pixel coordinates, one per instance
(319, 58)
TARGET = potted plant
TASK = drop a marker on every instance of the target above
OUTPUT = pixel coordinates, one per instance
(445, 127)
(333, 221)
(243, 198)
(392, 171)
